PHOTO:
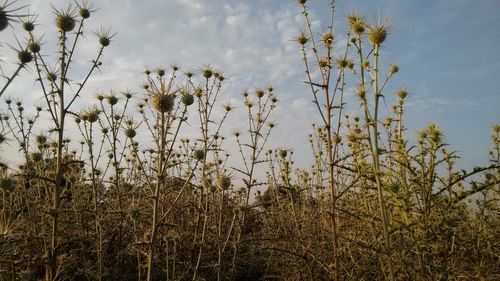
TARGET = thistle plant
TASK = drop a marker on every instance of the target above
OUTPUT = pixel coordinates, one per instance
(59, 98)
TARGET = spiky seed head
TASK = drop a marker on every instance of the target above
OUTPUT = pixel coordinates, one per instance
(65, 22)
(302, 38)
(327, 38)
(93, 115)
(135, 213)
(198, 92)
(160, 72)
(188, 74)
(104, 40)
(366, 64)
(377, 34)
(282, 153)
(187, 99)
(207, 73)
(34, 47)
(84, 12)
(24, 56)
(342, 63)
(4, 20)
(359, 27)
(259, 93)
(28, 26)
(361, 94)
(434, 133)
(496, 128)
(36, 157)
(393, 69)
(41, 139)
(199, 154)
(112, 99)
(162, 103)
(130, 132)
(223, 182)
(51, 76)
(7, 184)
(401, 94)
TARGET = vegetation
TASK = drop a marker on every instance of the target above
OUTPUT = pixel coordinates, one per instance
(132, 199)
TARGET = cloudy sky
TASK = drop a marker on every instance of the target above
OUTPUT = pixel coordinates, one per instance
(447, 52)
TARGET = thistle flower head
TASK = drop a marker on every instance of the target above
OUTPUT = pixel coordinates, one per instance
(199, 154)
(162, 102)
(187, 99)
(302, 38)
(393, 68)
(377, 33)
(327, 39)
(104, 36)
(85, 9)
(223, 182)
(24, 56)
(65, 19)
(401, 94)
(8, 15)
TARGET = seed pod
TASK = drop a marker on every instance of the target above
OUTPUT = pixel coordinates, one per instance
(282, 153)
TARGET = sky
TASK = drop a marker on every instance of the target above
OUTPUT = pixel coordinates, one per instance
(447, 52)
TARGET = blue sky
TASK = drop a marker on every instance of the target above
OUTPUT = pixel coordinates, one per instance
(447, 52)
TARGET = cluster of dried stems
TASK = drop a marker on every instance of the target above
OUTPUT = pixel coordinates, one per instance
(132, 199)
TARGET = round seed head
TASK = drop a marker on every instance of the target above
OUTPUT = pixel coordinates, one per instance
(28, 26)
(7, 184)
(199, 154)
(327, 38)
(36, 157)
(342, 63)
(223, 182)
(377, 34)
(41, 139)
(34, 47)
(84, 12)
(302, 38)
(24, 56)
(282, 153)
(401, 94)
(65, 22)
(4, 20)
(160, 72)
(393, 69)
(112, 99)
(51, 77)
(259, 93)
(187, 99)
(162, 103)
(104, 41)
(207, 73)
(130, 132)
